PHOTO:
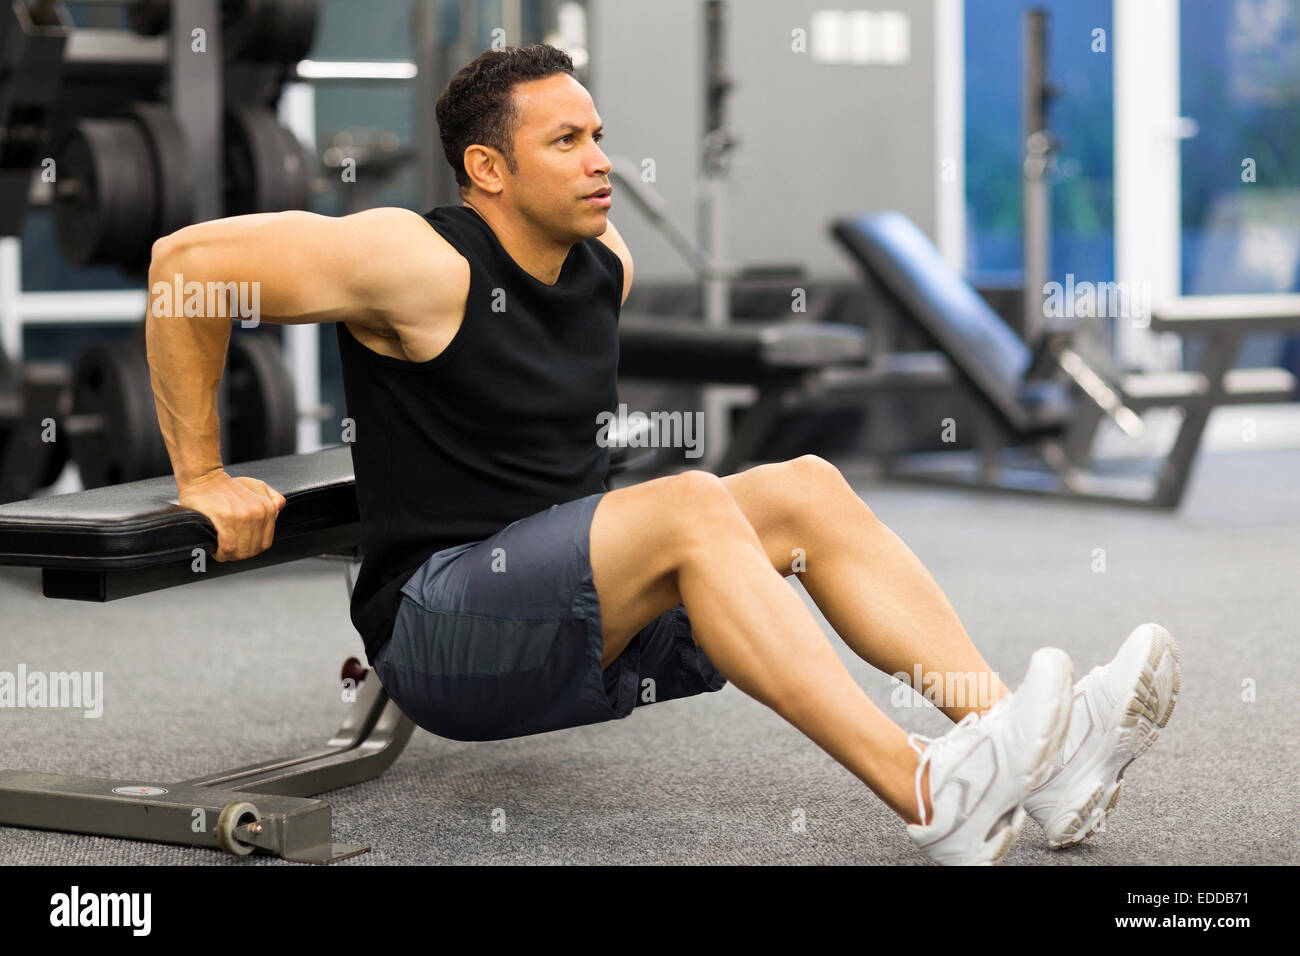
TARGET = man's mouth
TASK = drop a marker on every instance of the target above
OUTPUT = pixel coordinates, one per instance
(599, 193)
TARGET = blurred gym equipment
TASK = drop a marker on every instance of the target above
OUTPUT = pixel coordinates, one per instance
(32, 396)
(1052, 398)
(114, 430)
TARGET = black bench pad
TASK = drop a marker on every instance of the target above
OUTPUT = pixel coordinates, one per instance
(669, 349)
(139, 524)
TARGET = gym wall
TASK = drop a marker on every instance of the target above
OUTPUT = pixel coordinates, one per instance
(816, 140)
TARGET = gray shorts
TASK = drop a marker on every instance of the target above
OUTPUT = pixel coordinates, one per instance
(502, 638)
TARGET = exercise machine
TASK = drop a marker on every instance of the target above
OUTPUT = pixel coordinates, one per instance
(1051, 398)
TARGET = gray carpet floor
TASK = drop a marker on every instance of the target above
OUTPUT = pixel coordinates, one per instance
(204, 678)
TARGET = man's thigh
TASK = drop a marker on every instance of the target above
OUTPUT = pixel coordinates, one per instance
(633, 559)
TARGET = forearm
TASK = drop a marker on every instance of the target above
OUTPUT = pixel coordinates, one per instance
(186, 360)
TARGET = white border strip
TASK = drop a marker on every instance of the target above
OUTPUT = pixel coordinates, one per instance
(950, 129)
(1145, 46)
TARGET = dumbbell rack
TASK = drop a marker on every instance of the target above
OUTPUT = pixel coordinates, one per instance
(194, 84)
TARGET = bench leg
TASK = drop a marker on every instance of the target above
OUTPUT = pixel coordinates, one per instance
(261, 806)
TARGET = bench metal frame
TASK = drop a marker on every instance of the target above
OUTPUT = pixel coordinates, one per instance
(262, 806)
(1057, 463)
(1062, 465)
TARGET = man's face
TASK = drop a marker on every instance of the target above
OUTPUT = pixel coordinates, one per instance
(559, 159)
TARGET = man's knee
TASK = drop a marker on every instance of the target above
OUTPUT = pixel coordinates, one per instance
(815, 473)
(816, 485)
(705, 511)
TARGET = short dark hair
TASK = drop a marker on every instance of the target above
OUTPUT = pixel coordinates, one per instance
(478, 106)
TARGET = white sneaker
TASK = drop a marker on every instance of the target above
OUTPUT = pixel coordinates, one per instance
(981, 770)
(1117, 713)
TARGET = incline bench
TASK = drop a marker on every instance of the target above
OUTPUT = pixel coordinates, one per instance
(110, 543)
(1050, 396)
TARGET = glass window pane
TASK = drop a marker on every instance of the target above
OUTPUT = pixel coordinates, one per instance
(1240, 76)
(1082, 187)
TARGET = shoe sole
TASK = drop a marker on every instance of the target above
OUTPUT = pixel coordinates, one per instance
(1149, 706)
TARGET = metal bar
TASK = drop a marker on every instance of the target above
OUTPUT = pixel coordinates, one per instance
(1037, 222)
(93, 45)
(75, 308)
(369, 740)
(360, 721)
(1220, 355)
(1249, 313)
(716, 304)
(434, 180)
(340, 768)
(1076, 447)
(166, 813)
(197, 98)
(624, 173)
(755, 428)
(1096, 389)
(961, 469)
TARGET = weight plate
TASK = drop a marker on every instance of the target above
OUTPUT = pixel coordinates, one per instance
(297, 29)
(55, 460)
(261, 413)
(104, 195)
(81, 225)
(112, 382)
(244, 27)
(268, 31)
(265, 169)
(174, 182)
(149, 18)
(294, 158)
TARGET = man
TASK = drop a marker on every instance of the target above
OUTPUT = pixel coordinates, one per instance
(505, 592)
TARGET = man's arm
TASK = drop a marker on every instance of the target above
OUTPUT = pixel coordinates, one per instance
(378, 269)
(612, 239)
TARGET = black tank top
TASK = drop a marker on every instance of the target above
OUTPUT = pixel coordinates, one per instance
(500, 425)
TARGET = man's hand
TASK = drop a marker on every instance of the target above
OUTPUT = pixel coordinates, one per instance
(243, 510)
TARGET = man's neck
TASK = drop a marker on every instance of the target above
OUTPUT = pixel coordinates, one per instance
(542, 262)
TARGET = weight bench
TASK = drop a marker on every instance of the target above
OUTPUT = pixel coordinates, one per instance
(114, 542)
(1050, 397)
(782, 359)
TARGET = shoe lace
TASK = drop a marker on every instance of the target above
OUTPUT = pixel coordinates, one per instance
(932, 746)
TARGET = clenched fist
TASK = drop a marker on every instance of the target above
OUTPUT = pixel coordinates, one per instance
(243, 510)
